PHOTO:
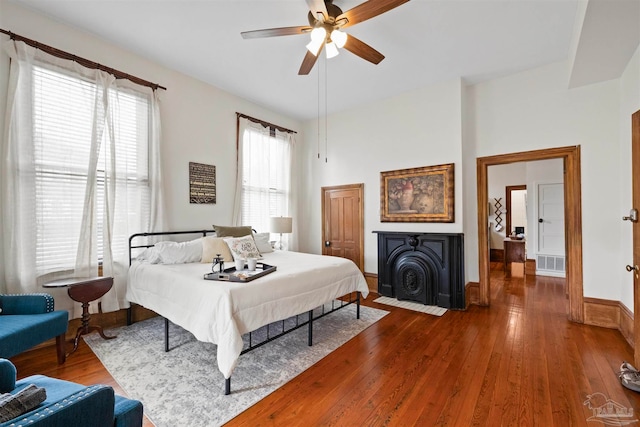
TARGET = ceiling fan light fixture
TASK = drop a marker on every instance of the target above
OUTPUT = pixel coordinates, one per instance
(314, 47)
(339, 38)
(318, 36)
(332, 50)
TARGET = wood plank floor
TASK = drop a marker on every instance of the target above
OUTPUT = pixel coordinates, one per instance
(519, 362)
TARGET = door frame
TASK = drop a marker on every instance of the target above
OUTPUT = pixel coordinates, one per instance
(508, 189)
(572, 224)
(635, 189)
(360, 188)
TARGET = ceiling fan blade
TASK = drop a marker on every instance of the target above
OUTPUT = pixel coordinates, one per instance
(316, 6)
(368, 10)
(275, 32)
(308, 62)
(363, 50)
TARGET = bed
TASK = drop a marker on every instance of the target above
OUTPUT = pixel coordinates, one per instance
(221, 312)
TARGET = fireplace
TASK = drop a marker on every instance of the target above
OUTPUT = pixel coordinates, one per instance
(422, 267)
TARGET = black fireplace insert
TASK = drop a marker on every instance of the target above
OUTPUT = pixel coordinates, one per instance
(422, 267)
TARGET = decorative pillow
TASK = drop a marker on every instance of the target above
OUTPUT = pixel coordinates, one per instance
(180, 252)
(173, 252)
(222, 231)
(14, 405)
(262, 242)
(150, 255)
(242, 247)
(212, 246)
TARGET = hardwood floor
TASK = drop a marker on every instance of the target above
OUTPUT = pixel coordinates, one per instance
(519, 362)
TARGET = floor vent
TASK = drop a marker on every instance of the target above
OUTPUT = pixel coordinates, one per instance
(550, 264)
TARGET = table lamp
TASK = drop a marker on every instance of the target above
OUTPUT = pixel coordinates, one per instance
(280, 225)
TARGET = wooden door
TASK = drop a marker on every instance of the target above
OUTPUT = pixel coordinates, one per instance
(635, 173)
(342, 222)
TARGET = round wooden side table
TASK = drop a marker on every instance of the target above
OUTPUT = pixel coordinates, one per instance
(85, 290)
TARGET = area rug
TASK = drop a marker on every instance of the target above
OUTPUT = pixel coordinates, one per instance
(429, 309)
(184, 387)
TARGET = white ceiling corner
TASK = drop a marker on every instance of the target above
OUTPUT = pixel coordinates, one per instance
(608, 38)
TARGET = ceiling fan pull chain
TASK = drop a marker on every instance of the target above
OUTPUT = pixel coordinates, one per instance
(326, 117)
(318, 114)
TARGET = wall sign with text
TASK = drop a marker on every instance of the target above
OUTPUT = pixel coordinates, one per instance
(202, 183)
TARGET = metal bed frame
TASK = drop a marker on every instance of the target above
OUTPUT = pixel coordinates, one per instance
(297, 323)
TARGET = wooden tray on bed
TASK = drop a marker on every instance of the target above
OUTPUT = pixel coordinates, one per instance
(231, 275)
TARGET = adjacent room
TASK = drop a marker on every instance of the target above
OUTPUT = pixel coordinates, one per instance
(338, 212)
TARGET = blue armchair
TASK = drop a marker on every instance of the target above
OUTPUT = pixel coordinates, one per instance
(69, 404)
(28, 320)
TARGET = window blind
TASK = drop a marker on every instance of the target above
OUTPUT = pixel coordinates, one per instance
(266, 186)
(64, 112)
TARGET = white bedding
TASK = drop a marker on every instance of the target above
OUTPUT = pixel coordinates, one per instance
(220, 312)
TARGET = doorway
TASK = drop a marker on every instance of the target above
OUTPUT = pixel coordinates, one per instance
(573, 220)
(343, 222)
(515, 196)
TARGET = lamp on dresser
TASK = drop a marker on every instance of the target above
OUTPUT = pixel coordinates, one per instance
(281, 225)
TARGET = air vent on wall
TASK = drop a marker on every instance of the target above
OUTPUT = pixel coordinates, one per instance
(551, 265)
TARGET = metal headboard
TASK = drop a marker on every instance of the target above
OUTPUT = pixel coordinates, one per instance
(161, 233)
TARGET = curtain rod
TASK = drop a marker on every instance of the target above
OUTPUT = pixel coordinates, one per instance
(265, 124)
(82, 61)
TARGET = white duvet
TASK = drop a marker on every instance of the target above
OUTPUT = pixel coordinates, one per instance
(220, 312)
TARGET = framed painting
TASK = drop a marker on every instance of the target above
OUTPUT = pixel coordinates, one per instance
(202, 183)
(423, 194)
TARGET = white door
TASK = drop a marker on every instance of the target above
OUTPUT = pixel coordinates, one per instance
(550, 256)
(551, 219)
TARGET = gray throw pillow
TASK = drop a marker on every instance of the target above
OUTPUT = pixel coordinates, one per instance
(14, 405)
(225, 231)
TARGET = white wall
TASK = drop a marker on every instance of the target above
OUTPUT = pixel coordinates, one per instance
(198, 120)
(534, 110)
(420, 128)
(521, 112)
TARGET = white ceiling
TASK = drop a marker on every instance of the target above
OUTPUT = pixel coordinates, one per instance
(424, 41)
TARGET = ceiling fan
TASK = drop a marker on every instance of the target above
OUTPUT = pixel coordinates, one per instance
(326, 20)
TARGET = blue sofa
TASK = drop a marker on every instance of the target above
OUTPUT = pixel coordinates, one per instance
(28, 320)
(69, 404)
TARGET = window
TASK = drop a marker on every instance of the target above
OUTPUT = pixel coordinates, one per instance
(65, 108)
(266, 176)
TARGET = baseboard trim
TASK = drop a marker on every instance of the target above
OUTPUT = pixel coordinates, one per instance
(626, 324)
(602, 312)
(106, 320)
(609, 314)
(471, 294)
(372, 281)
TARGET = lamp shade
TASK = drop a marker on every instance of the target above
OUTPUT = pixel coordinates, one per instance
(339, 38)
(332, 50)
(281, 224)
(318, 36)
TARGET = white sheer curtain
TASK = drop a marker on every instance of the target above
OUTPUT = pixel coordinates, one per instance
(265, 177)
(74, 185)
